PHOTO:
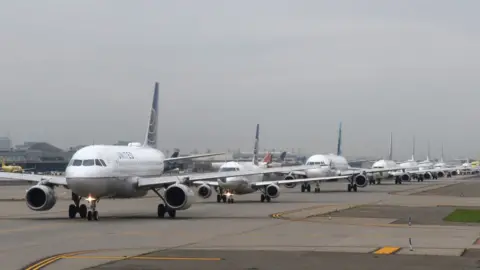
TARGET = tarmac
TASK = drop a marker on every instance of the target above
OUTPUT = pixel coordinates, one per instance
(335, 229)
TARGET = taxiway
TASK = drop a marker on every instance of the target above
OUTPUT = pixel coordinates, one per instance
(296, 229)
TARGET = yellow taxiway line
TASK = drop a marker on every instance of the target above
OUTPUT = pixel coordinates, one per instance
(77, 255)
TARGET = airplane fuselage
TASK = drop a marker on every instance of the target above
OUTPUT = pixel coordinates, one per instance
(383, 164)
(241, 184)
(331, 165)
(86, 175)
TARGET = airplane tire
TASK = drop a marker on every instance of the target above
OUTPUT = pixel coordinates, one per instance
(72, 211)
(95, 215)
(161, 210)
(172, 213)
(82, 210)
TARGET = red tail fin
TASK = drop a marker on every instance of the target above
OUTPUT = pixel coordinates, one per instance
(268, 158)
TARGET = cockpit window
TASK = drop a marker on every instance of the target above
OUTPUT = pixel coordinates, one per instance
(321, 163)
(88, 162)
(77, 162)
(229, 169)
(103, 163)
(98, 163)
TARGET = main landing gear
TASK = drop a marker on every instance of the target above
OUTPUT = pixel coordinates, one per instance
(162, 209)
(76, 207)
(305, 187)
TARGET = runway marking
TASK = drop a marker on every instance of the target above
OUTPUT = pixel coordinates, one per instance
(77, 255)
(49, 260)
(387, 250)
(142, 258)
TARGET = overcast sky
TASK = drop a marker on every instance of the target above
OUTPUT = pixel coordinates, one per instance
(77, 71)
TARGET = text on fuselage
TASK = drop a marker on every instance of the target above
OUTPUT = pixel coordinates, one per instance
(125, 155)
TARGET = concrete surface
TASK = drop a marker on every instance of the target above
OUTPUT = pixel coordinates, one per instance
(131, 227)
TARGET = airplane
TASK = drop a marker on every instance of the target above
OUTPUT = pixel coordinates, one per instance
(250, 183)
(376, 178)
(13, 168)
(115, 171)
(333, 164)
(268, 160)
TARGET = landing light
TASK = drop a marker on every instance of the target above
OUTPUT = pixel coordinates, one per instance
(228, 194)
(90, 199)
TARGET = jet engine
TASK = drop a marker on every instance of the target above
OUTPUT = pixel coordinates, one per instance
(440, 174)
(273, 191)
(455, 172)
(179, 197)
(405, 177)
(360, 180)
(204, 191)
(290, 185)
(40, 198)
(427, 175)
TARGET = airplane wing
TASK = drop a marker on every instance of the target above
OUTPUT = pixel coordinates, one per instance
(283, 182)
(192, 156)
(188, 179)
(366, 170)
(35, 178)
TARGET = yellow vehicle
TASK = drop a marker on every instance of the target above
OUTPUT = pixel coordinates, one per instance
(11, 168)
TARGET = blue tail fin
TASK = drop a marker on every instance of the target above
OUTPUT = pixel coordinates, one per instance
(151, 135)
(339, 144)
(255, 147)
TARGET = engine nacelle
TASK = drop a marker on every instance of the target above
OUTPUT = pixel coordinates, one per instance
(273, 191)
(427, 175)
(179, 197)
(290, 185)
(360, 180)
(204, 191)
(40, 198)
(405, 177)
(455, 172)
(440, 174)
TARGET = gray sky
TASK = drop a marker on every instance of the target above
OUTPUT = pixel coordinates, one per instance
(77, 71)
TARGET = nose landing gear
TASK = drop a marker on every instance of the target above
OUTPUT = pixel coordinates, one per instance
(92, 214)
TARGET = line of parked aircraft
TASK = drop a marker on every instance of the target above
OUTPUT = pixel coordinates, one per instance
(111, 171)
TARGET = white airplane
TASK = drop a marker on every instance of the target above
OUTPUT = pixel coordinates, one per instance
(240, 185)
(331, 165)
(111, 171)
(376, 178)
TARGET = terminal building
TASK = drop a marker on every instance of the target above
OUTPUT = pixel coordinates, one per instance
(39, 156)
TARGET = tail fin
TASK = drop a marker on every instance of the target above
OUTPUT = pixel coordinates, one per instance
(3, 162)
(413, 150)
(283, 155)
(390, 154)
(175, 153)
(151, 135)
(339, 143)
(268, 158)
(428, 151)
(255, 147)
(441, 158)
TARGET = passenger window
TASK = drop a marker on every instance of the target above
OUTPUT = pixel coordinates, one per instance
(98, 163)
(77, 162)
(88, 162)
(103, 163)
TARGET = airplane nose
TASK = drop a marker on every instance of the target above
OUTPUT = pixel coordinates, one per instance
(317, 172)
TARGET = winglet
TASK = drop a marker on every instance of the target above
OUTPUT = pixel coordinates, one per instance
(255, 147)
(151, 134)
